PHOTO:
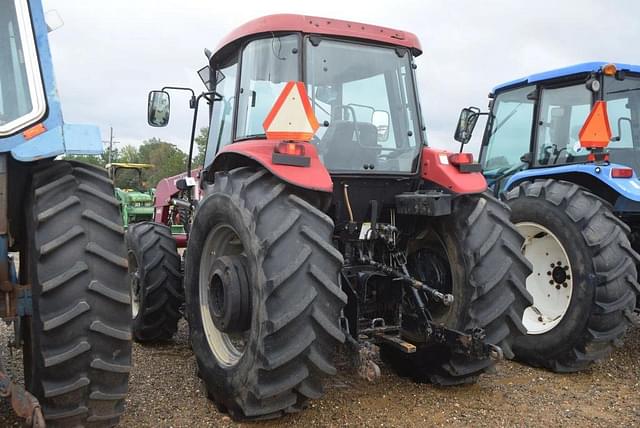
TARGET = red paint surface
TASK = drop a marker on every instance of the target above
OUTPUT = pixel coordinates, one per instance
(313, 177)
(166, 189)
(318, 25)
(449, 176)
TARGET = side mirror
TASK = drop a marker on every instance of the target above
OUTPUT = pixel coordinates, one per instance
(466, 123)
(158, 108)
(380, 119)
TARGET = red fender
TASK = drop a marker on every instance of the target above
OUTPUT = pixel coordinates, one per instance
(312, 177)
(436, 168)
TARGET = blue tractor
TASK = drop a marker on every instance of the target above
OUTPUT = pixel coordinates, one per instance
(69, 301)
(576, 201)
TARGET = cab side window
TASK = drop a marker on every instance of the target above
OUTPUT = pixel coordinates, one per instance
(220, 131)
(562, 114)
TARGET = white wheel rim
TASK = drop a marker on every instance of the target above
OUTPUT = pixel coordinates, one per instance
(551, 282)
(134, 282)
(221, 241)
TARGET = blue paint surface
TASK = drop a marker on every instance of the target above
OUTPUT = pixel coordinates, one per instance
(586, 67)
(627, 187)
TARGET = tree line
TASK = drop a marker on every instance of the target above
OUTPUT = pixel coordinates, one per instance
(167, 160)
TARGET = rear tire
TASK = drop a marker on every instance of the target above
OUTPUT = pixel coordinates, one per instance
(488, 285)
(277, 364)
(77, 350)
(155, 278)
(603, 285)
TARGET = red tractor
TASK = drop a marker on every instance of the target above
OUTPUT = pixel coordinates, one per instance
(363, 234)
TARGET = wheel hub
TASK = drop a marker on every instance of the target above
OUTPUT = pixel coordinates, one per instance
(229, 295)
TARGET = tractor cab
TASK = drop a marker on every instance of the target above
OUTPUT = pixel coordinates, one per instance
(362, 93)
(535, 122)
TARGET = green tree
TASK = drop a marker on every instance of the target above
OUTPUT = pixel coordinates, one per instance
(201, 145)
(167, 160)
(129, 154)
(90, 159)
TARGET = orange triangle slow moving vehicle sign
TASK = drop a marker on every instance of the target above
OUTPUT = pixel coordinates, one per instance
(596, 132)
(291, 117)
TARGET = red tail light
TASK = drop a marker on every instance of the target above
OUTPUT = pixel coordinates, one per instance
(290, 148)
(621, 172)
(461, 158)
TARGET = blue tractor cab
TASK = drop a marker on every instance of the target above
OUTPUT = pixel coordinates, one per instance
(69, 301)
(577, 205)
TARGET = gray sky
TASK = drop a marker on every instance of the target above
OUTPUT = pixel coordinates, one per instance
(108, 55)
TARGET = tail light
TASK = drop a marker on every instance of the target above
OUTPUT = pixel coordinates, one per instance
(290, 148)
(461, 159)
(621, 172)
(464, 162)
(290, 153)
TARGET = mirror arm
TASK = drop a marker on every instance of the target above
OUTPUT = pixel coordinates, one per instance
(192, 101)
(194, 124)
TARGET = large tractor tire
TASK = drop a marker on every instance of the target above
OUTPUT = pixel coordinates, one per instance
(584, 275)
(156, 281)
(474, 254)
(77, 343)
(263, 299)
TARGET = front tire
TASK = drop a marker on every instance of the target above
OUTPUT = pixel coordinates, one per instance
(593, 274)
(268, 357)
(156, 281)
(77, 350)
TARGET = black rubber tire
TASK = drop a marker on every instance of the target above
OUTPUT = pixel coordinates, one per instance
(603, 269)
(296, 300)
(488, 284)
(155, 264)
(77, 350)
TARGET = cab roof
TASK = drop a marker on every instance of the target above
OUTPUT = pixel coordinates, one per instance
(316, 25)
(585, 67)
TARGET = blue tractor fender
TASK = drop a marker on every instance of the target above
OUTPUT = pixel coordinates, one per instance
(59, 138)
(622, 193)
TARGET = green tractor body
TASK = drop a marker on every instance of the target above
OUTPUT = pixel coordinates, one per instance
(136, 201)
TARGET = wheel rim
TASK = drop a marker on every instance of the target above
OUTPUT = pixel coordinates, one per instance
(551, 282)
(134, 283)
(431, 264)
(222, 240)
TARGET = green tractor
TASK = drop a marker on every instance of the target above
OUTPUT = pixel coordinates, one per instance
(136, 200)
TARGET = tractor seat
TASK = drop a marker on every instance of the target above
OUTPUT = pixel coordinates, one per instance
(342, 151)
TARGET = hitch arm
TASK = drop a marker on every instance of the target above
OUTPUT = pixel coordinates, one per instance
(445, 299)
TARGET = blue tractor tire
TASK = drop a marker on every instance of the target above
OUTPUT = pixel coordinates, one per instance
(584, 279)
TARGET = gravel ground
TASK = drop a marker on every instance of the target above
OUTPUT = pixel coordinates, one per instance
(165, 392)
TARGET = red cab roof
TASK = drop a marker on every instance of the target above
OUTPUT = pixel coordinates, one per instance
(318, 25)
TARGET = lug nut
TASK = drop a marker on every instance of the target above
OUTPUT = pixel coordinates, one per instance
(549, 272)
(551, 281)
(553, 265)
(558, 287)
(566, 268)
(559, 263)
(540, 319)
(565, 285)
